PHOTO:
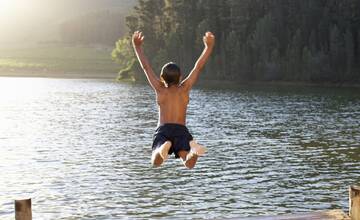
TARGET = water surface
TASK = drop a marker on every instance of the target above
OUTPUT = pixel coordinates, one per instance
(81, 150)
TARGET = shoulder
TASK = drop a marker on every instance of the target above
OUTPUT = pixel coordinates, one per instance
(185, 86)
(159, 88)
(184, 91)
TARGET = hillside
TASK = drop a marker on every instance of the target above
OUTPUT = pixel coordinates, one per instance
(38, 20)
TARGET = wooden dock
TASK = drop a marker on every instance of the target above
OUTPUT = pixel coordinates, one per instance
(335, 214)
(23, 211)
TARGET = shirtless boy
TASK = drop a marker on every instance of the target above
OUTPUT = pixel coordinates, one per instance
(172, 96)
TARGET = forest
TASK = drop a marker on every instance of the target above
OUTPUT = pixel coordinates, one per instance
(256, 40)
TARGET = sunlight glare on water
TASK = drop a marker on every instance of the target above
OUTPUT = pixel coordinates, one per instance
(16, 97)
(81, 150)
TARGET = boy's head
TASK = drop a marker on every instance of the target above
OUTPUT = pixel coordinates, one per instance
(170, 74)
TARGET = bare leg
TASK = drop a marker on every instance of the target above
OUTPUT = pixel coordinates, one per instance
(161, 154)
(197, 148)
(189, 162)
(189, 158)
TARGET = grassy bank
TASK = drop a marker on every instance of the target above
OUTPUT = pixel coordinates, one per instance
(57, 61)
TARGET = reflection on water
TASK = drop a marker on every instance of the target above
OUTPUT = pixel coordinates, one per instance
(81, 150)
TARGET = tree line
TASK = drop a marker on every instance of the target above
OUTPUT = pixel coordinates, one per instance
(256, 40)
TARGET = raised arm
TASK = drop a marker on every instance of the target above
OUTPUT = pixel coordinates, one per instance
(137, 40)
(209, 41)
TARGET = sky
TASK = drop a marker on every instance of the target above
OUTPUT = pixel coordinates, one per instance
(31, 20)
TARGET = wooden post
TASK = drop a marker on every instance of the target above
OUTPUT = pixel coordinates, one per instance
(23, 209)
(354, 202)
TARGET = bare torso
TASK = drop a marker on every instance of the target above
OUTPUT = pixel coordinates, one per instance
(172, 103)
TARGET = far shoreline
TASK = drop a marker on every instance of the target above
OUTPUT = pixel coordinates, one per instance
(60, 75)
(234, 84)
(202, 82)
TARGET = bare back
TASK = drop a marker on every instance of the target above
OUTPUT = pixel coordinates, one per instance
(172, 103)
(172, 100)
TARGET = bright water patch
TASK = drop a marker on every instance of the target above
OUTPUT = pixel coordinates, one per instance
(81, 150)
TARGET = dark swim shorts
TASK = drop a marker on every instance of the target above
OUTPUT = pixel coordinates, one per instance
(177, 134)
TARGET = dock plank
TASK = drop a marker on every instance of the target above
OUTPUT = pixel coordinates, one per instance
(336, 214)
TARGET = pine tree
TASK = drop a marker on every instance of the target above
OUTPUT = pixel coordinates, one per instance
(255, 39)
(349, 46)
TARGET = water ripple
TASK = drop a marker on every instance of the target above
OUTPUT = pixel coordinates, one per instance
(81, 150)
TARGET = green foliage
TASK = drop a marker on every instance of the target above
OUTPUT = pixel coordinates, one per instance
(127, 73)
(311, 41)
(123, 53)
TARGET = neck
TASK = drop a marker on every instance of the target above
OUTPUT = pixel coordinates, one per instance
(173, 85)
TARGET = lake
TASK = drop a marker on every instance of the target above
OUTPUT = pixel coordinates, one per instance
(81, 150)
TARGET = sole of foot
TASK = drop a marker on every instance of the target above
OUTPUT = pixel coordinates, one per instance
(196, 148)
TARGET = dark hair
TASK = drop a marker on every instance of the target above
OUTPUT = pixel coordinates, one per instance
(171, 74)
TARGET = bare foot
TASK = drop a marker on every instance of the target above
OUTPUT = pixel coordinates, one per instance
(196, 148)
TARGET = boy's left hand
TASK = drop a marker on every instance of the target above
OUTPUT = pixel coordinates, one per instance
(209, 39)
(137, 38)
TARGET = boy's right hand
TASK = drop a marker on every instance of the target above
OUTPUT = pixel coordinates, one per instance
(137, 38)
(209, 39)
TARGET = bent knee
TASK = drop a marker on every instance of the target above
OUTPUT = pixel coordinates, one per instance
(156, 160)
(190, 166)
(156, 164)
(190, 163)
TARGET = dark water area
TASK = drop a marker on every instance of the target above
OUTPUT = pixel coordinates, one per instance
(81, 150)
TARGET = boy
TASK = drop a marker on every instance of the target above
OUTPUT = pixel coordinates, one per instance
(172, 96)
